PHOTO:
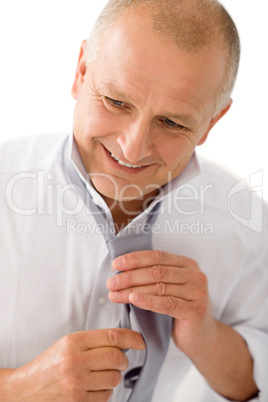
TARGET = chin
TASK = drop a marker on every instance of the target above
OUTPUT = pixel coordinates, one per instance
(109, 188)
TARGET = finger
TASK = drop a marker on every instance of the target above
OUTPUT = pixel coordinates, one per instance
(158, 289)
(120, 338)
(175, 307)
(106, 358)
(99, 396)
(150, 275)
(103, 380)
(140, 259)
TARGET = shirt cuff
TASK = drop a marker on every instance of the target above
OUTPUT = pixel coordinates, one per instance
(257, 342)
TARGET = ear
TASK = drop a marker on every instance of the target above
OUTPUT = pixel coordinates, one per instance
(214, 121)
(80, 72)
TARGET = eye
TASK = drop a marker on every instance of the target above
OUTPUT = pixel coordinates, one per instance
(114, 102)
(171, 124)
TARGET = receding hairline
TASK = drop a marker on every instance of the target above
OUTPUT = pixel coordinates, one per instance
(198, 19)
(190, 24)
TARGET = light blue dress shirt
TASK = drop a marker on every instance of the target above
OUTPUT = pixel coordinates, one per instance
(55, 263)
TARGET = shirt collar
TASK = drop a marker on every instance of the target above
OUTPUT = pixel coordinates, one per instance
(191, 171)
(82, 173)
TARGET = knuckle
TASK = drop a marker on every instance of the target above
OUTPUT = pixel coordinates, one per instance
(72, 397)
(160, 289)
(71, 384)
(106, 395)
(112, 336)
(171, 305)
(189, 262)
(159, 272)
(159, 256)
(201, 309)
(201, 297)
(151, 301)
(117, 357)
(115, 379)
(65, 367)
(99, 396)
(192, 265)
(66, 359)
(66, 343)
(126, 277)
(201, 279)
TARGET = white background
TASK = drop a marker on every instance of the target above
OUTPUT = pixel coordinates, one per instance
(40, 40)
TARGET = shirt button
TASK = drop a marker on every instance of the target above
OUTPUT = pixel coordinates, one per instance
(102, 301)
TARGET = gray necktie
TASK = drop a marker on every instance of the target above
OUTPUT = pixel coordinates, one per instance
(155, 328)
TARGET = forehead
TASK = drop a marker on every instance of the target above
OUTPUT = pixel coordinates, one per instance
(159, 102)
(135, 58)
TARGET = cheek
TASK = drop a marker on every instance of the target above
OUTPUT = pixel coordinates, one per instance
(175, 151)
(92, 120)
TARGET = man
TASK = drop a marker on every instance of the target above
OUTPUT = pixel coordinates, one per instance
(151, 82)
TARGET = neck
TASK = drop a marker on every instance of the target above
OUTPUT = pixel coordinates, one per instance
(123, 212)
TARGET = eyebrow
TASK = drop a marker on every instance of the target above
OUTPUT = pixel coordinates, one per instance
(186, 119)
(115, 90)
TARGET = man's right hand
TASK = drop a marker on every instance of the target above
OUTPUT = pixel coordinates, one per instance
(83, 366)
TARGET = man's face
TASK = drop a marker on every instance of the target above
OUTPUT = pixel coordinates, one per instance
(142, 108)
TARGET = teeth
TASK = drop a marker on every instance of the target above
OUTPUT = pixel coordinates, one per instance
(125, 164)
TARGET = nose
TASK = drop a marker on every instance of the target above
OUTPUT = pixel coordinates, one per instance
(136, 142)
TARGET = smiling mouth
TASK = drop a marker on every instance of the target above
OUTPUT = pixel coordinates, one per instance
(125, 164)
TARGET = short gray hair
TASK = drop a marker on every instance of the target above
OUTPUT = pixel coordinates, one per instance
(191, 24)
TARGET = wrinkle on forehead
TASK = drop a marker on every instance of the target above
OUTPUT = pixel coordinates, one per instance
(139, 89)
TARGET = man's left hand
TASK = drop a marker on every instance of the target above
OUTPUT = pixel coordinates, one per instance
(169, 284)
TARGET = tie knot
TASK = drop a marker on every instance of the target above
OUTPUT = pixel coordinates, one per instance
(127, 244)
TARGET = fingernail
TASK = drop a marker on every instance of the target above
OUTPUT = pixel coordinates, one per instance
(112, 282)
(117, 263)
(113, 296)
(134, 297)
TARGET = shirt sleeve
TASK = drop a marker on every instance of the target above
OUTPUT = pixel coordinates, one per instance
(247, 312)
